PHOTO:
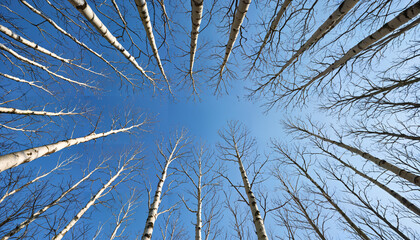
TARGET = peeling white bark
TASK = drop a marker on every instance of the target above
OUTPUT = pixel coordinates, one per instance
(153, 210)
(56, 26)
(257, 219)
(196, 16)
(12, 160)
(404, 201)
(380, 162)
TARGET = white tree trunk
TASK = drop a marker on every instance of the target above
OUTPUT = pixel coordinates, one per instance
(35, 215)
(329, 24)
(88, 205)
(145, 19)
(381, 163)
(55, 25)
(154, 207)
(199, 223)
(31, 112)
(12, 160)
(240, 14)
(88, 13)
(408, 204)
(390, 26)
(31, 83)
(35, 46)
(196, 16)
(257, 219)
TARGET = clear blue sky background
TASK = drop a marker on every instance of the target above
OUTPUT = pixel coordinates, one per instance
(201, 117)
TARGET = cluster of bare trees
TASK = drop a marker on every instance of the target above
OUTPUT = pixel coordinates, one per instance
(349, 170)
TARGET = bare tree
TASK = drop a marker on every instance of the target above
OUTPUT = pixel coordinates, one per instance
(172, 152)
(201, 173)
(56, 201)
(236, 145)
(15, 159)
(126, 166)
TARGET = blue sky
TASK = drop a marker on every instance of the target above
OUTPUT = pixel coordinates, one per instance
(202, 116)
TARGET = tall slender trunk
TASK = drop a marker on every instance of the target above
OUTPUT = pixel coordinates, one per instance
(240, 14)
(56, 26)
(408, 204)
(329, 24)
(380, 162)
(88, 205)
(31, 62)
(273, 27)
(45, 51)
(257, 219)
(35, 215)
(12, 160)
(303, 210)
(83, 7)
(199, 222)
(390, 26)
(196, 16)
(325, 194)
(373, 210)
(32, 112)
(31, 83)
(153, 210)
(145, 19)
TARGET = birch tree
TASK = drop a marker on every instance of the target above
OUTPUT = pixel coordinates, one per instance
(303, 170)
(126, 167)
(56, 201)
(398, 21)
(236, 145)
(413, 178)
(172, 152)
(200, 171)
(83, 7)
(239, 17)
(145, 19)
(15, 159)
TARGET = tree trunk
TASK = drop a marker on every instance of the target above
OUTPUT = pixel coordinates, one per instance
(408, 204)
(153, 210)
(88, 205)
(257, 219)
(87, 12)
(390, 26)
(381, 163)
(34, 216)
(12, 160)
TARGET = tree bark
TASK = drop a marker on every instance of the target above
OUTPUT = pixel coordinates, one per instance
(15, 159)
